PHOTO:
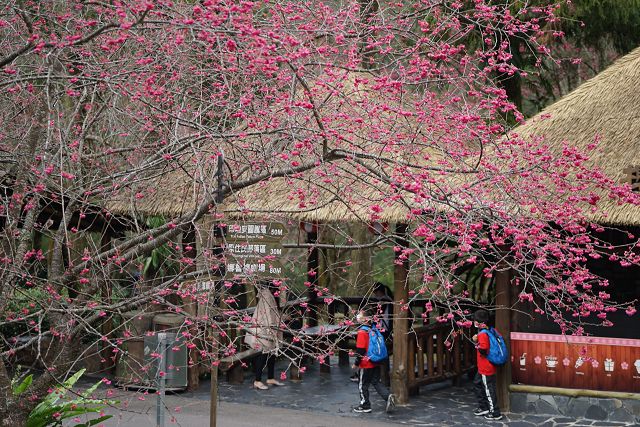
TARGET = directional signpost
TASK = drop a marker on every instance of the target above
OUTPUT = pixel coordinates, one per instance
(251, 249)
(254, 249)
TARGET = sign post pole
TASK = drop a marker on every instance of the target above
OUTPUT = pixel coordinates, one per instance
(213, 404)
(160, 378)
(213, 411)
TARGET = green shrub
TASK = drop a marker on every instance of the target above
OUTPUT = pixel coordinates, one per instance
(53, 410)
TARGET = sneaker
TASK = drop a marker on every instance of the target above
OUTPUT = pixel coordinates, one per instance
(493, 417)
(362, 408)
(391, 403)
(259, 385)
(480, 411)
(355, 378)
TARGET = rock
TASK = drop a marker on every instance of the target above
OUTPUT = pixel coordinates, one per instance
(521, 424)
(550, 400)
(532, 397)
(623, 415)
(544, 407)
(576, 408)
(563, 420)
(518, 402)
(633, 406)
(561, 402)
(607, 404)
(596, 412)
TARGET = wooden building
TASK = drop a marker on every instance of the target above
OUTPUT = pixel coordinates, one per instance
(602, 119)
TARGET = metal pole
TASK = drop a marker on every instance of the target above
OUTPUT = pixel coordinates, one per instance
(160, 378)
(213, 404)
(214, 382)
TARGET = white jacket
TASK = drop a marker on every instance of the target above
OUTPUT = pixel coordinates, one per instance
(264, 331)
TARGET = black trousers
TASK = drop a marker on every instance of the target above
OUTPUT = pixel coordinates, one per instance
(485, 389)
(370, 377)
(259, 363)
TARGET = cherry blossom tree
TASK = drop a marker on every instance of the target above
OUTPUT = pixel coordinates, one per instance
(376, 109)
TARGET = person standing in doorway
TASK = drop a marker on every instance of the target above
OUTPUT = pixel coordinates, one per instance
(485, 380)
(384, 299)
(265, 336)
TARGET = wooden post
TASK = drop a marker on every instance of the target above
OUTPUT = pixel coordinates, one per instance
(411, 367)
(191, 309)
(106, 353)
(399, 377)
(343, 354)
(193, 370)
(503, 325)
(294, 373)
(457, 365)
(312, 277)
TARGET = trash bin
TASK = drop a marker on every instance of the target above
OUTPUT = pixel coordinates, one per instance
(176, 361)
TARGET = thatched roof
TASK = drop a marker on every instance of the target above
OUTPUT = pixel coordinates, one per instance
(169, 193)
(606, 107)
(334, 192)
(329, 193)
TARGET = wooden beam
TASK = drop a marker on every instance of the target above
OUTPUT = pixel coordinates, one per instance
(572, 392)
(399, 374)
(503, 325)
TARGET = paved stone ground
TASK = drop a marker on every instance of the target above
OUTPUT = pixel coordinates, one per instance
(334, 394)
(322, 400)
(195, 413)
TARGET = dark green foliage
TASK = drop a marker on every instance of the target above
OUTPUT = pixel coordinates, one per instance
(589, 22)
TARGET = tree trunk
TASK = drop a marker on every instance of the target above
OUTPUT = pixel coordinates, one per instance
(512, 84)
(368, 10)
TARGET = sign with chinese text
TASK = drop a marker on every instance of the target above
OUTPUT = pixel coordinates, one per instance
(254, 249)
(250, 231)
(259, 268)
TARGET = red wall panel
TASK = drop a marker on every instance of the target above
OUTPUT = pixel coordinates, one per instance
(594, 363)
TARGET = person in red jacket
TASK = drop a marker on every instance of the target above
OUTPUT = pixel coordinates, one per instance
(485, 379)
(368, 371)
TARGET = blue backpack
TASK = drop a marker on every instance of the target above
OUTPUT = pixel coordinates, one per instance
(377, 350)
(498, 353)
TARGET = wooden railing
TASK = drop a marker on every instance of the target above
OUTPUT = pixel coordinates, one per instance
(436, 354)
